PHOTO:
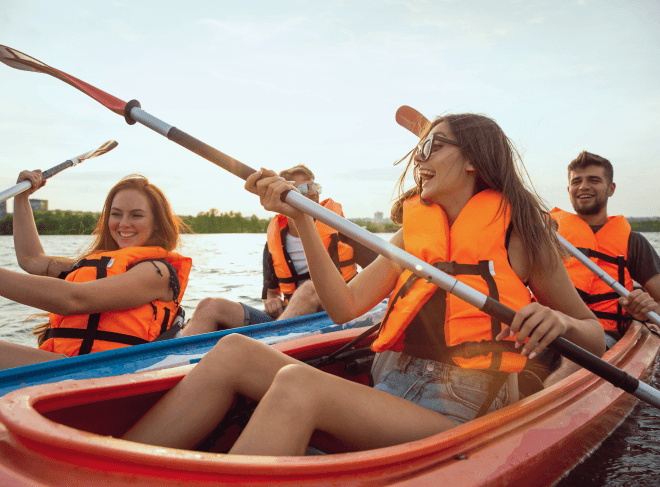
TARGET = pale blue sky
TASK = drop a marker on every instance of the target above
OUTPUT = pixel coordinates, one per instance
(277, 83)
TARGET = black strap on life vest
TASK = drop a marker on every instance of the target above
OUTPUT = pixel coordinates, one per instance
(106, 336)
(402, 291)
(493, 390)
(599, 255)
(333, 250)
(622, 321)
(91, 333)
(482, 268)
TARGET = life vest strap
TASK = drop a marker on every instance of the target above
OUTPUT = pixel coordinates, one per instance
(82, 334)
(482, 268)
(333, 250)
(599, 255)
(493, 390)
(91, 332)
(484, 347)
(596, 298)
(402, 291)
(166, 321)
(455, 269)
(294, 279)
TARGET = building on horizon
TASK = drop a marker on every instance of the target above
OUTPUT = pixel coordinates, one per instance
(378, 218)
(3, 210)
(39, 205)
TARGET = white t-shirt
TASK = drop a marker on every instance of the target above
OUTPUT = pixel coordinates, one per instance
(295, 249)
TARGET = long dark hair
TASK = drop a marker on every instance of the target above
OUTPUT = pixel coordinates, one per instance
(498, 166)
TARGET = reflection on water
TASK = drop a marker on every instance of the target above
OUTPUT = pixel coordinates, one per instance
(229, 265)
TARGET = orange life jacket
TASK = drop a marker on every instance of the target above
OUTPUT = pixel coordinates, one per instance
(608, 249)
(341, 253)
(82, 334)
(474, 250)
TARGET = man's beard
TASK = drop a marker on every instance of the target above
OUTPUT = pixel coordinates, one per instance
(593, 209)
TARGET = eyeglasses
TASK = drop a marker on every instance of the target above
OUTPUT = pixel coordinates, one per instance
(305, 187)
(426, 148)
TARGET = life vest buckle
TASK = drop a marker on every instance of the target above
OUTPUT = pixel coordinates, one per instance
(446, 267)
(472, 349)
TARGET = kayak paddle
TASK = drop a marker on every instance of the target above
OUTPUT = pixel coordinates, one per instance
(24, 185)
(133, 113)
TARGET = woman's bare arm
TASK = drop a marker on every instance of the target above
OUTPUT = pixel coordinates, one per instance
(342, 302)
(559, 311)
(140, 285)
(29, 251)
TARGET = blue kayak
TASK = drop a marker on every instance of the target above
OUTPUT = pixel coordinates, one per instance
(171, 353)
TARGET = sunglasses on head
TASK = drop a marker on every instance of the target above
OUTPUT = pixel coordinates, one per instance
(305, 187)
(426, 149)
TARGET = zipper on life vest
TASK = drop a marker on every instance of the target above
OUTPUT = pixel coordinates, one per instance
(155, 310)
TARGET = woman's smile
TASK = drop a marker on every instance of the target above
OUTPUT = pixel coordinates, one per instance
(131, 222)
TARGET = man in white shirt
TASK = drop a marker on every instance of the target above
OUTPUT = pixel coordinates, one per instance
(288, 291)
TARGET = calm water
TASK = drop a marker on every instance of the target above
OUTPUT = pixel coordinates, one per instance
(229, 265)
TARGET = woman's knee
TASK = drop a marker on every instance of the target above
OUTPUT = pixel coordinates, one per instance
(233, 349)
(295, 387)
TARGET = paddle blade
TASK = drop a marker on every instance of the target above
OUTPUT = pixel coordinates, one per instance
(18, 60)
(104, 149)
(412, 120)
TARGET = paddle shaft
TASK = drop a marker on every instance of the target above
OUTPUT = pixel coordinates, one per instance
(49, 173)
(433, 275)
(25, 185)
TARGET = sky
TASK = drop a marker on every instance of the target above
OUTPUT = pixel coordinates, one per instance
(279, 83)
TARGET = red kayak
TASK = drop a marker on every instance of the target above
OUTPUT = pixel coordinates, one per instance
(65, 434)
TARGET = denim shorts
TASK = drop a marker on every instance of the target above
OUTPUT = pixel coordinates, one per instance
(447, 389)
(253, 316)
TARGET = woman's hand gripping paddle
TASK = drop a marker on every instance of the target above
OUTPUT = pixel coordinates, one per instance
(74, 161)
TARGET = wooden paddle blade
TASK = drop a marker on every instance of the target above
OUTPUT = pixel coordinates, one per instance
(104, 149)
(18, 60)
(411, 119)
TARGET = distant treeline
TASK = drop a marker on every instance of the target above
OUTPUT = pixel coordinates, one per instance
(646, 226)
(378, 227)
(60, 222)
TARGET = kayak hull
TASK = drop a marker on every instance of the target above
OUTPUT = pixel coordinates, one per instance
(538, 439)
(170, 353)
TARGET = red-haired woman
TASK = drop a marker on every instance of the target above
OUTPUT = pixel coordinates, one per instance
(470, 214)
(125, 290)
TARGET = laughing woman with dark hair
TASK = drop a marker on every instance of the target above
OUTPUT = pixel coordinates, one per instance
(471, 215)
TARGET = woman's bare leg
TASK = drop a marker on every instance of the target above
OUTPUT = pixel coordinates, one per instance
(303, 399)
(14, 355)
(195, 406)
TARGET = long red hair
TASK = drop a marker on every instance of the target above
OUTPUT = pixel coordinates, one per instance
(169, 226)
